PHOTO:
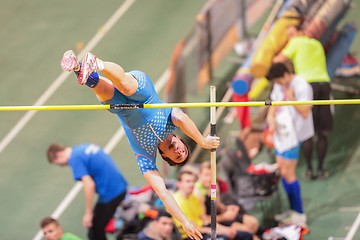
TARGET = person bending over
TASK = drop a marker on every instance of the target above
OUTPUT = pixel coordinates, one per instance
(307, 56)
(99, 174)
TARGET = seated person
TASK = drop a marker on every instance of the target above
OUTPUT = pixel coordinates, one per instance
(227, 214)
(159, 228)
(194, 211)
(52, 230)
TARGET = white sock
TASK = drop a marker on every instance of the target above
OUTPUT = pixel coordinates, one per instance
(100, 64)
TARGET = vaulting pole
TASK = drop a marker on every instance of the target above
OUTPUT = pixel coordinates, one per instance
(213, 163)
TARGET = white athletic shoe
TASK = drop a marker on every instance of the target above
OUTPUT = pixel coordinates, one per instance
(282, 216)
(89, 65)
(69, 61)
(295, 218)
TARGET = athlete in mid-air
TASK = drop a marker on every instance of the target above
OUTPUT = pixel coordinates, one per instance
(146, 129)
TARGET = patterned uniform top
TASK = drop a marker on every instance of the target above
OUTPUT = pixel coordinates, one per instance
(144, 128)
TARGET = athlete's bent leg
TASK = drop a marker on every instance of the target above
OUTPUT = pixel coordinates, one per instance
(122, 81)
(104, 90)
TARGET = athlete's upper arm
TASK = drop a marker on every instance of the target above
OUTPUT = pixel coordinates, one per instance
(145, 163)
(177, 116)
(155, 180)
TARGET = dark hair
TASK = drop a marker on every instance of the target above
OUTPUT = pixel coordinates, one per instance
(205, 165)
(171, 162)
(277, 70)
(53, 149)
(297, 27)
(48, 220)
(162, 213)
(183, 172)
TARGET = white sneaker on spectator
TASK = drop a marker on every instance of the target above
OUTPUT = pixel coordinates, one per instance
(69, 61)
(270, 234)
(282, 216)
(298, 219)
(285, 232)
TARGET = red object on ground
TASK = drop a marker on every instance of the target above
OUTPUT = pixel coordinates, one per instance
(243, 113)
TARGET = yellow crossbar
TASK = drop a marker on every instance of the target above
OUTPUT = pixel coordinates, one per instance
(179, 105)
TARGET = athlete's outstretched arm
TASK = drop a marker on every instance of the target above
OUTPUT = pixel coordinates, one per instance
(158, 184)
(184, 122)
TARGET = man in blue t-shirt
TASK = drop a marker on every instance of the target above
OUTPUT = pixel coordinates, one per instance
(99, 174)
(146, 129)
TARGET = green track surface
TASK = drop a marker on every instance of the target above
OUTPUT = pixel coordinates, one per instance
(34, 34)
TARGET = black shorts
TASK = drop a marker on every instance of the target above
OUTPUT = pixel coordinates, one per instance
(239, 235)
(323, 120)
(239, 218)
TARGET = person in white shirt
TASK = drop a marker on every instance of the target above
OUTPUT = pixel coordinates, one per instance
(290, 126)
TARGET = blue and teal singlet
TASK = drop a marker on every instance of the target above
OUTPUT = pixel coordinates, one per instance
(143, 127)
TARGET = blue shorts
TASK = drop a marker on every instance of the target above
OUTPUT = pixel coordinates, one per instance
(292, 154)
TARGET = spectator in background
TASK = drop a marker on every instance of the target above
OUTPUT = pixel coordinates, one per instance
(99, 174)
(160, 228)
(52, 230)
(290, 125)
(227, 214)
(309, 62)
(194, 211)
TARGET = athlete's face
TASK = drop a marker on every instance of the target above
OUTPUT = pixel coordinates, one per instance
(186, 183)
(164, 226)
(205, 177)
(175, 149)
(52, 232)
(284, 80)
(61, 158)
(291, 32)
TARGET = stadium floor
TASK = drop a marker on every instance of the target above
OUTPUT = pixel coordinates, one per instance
(34, 36)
